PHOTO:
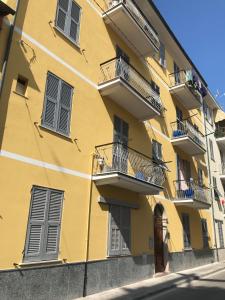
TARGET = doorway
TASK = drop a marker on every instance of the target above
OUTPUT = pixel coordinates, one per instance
(159, 239)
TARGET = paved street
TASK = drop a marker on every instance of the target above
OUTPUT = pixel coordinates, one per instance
(207, 288)
(206, 282)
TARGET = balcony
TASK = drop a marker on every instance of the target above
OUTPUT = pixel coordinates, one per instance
(186, 88)
(191, 194)
(124, 85)
(220, 137)
(5, 9)
(222, 173)
(120, 166)
(128, 21)
(187, 138)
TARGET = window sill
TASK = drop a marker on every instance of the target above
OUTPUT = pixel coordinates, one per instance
(119, 255)
(28, 265)
(188, 249)
(21, 95)
(67, 37)
(67, 137)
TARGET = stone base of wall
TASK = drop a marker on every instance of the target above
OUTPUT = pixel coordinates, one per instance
(221, 254)
(190, 259)
(66, 281)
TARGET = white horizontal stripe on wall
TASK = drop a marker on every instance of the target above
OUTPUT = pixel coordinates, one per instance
(55, 57)
(42, 164)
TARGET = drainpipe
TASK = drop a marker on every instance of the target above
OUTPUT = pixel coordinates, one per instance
(88, 231)
(8, 48)
(211, 190)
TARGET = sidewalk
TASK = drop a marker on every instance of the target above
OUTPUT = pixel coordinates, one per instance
(156, 285)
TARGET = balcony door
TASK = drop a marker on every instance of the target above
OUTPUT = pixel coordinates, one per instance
(183, 173)
(179, 114)
(176, 74)
(158, 239)
(120, 151)
(122, 67)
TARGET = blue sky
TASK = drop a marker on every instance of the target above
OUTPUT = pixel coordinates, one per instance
(200, 27)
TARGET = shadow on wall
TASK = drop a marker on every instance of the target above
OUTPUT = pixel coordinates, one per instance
(19, 63)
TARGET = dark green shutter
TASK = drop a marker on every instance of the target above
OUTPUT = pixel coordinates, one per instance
(43, 232)
(115, 237)
(119, 230)
(35, 233)
(61, 19)
(51, 101)
(65, 108)
(125, 230)
(58, 104)
(74, 21)
(53, 222)
(186, 231)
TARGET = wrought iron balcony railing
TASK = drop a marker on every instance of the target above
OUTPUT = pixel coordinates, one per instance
(139, 18)
(185, 128)
(220, 132)
(186, 77)
(118, 68)
(118, 158)
(191, 190)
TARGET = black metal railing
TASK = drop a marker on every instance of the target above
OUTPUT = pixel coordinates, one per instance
(118, 68)
(117, 157)
(185, 128)
(138, 17)
(186, 77)
(220, 132)
(192, 190)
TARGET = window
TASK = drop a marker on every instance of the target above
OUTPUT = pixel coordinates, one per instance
(208, 112)
(43, 230)
(68, 19)
(211, 150)
(220, 232)
(57, 105)
(205, 236)
(119, 230)
(155, 87)
(162, 53)
(156, 151)
(186, 231)
(215, 189)
(21, 85)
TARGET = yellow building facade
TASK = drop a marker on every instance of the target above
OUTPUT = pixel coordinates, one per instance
(103, 155)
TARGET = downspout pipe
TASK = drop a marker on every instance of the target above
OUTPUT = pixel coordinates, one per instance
(8, 48)
(210, 182)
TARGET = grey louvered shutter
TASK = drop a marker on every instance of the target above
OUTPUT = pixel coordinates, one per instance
(114, 231)
(35, 232)
(53, 223)
(74, 21)
(65, 108)
(62, 12)
(51, 101)
(125, 230)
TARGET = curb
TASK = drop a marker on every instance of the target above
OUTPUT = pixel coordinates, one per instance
(180, 282)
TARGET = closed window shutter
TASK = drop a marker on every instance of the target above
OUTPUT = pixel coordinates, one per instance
(34, 240)
(75, 21)
(44, 225)
(115, 236)
(65, 108)
(51, 99)
(125, 230)
(53, 224)
(61, 20)
(186, 231)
